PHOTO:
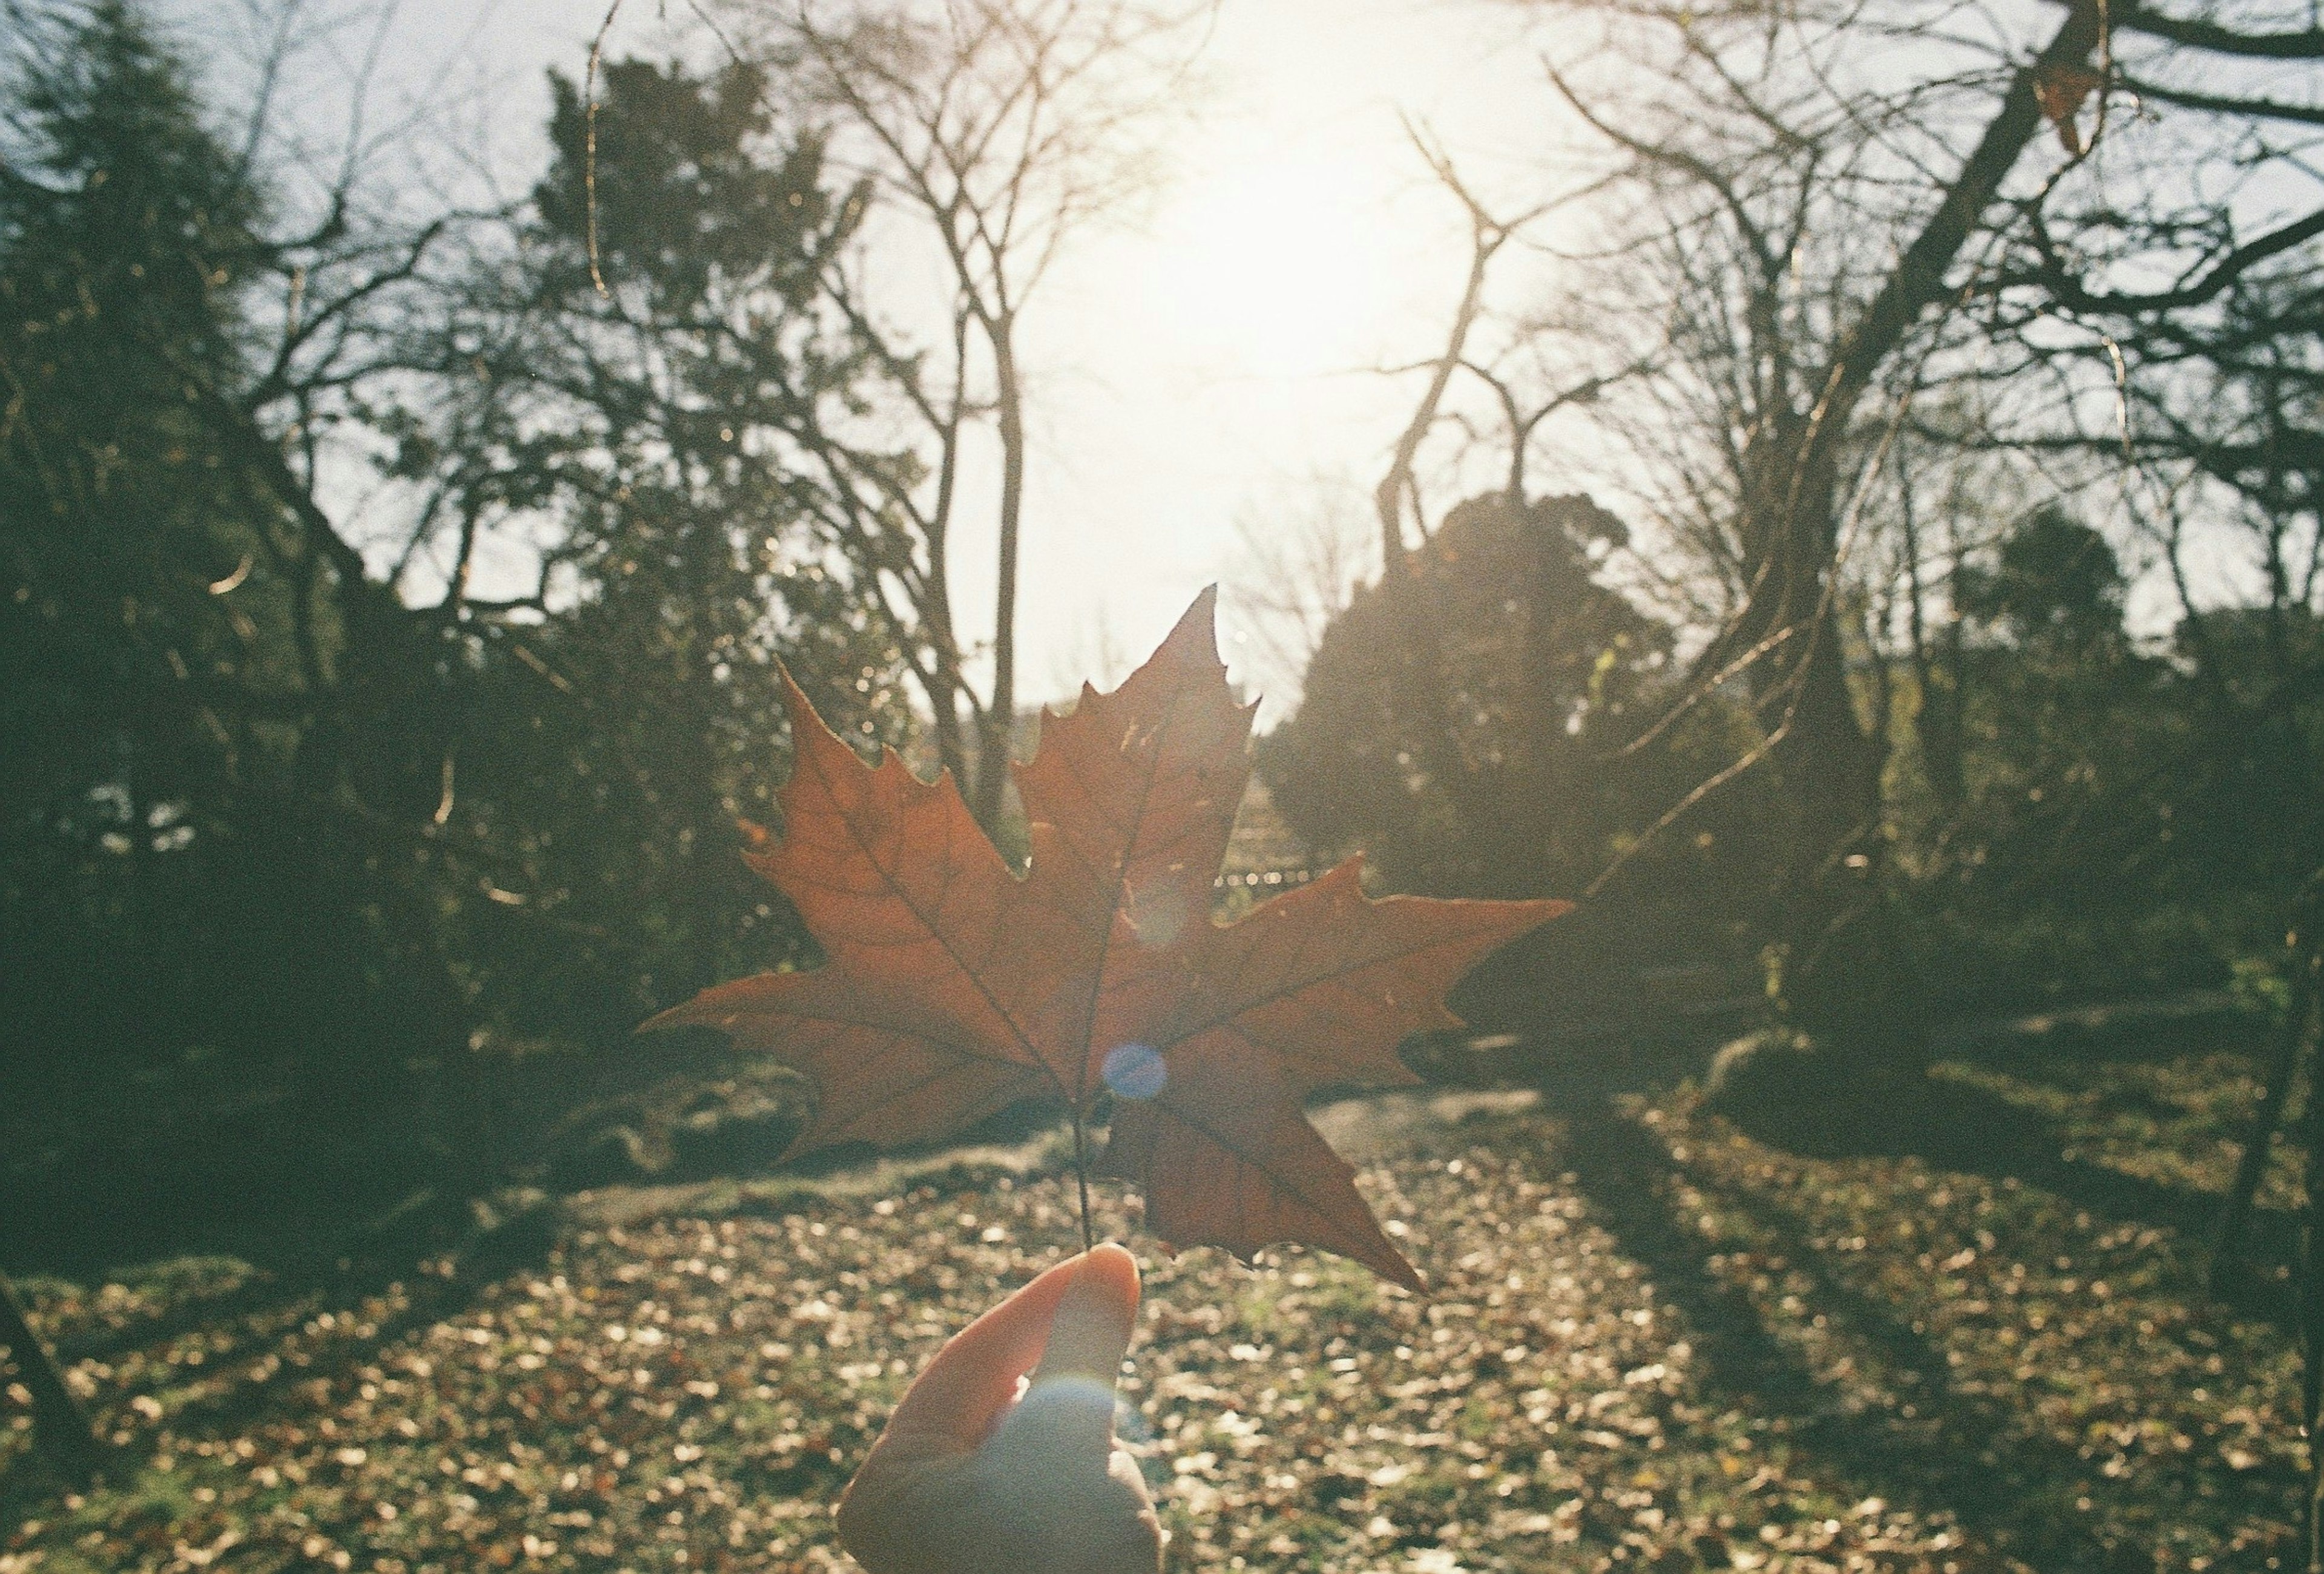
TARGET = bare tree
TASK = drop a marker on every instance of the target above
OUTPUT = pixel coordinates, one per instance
(1398, 488)
(1803, 221)
(2158, 306)
(1302, 560)
(997, 130)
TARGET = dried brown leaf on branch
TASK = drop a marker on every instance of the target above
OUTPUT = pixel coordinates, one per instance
(954, 989)
(2060, 90)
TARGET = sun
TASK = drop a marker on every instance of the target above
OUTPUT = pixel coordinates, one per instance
(1275, 262)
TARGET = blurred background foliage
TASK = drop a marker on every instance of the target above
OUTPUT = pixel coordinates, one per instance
(2076, 813)
(297, 863)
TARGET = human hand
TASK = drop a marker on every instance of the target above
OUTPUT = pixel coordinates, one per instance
(969, 1479)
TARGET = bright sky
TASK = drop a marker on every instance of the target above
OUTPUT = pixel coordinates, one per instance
(1215, 363)
(1208, 363)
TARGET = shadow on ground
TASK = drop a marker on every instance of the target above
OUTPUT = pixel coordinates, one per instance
(1931, 1442)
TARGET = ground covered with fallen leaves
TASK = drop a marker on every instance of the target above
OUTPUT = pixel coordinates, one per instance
(1653, 1343)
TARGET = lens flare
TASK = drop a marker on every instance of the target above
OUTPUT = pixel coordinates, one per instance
(1135, 1071)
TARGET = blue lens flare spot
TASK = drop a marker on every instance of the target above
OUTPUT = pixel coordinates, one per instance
(1135, 1071)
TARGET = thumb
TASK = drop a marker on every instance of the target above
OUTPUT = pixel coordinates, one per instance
(1070, 1402)
(1090, 1332)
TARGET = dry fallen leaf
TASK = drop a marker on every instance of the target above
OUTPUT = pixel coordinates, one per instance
(2059, 92)
(954, 989)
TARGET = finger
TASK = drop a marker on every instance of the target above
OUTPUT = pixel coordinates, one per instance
(1144, 1534)
(973, 1378)
(1091, 1331)
(1067, 1416)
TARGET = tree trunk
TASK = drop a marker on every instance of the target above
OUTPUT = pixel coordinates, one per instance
(2312, 1319)
(1000, 720)
(1948, 731)
(60, 1425)
(2305, 936)
(943, 694)
(1848, 979)
(1844, 978)
(1936, 715)
(936, 610)
(2292, 1035)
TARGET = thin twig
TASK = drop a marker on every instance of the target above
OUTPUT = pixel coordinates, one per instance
(589, 141)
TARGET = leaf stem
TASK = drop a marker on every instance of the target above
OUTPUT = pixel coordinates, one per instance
(1081, 1178)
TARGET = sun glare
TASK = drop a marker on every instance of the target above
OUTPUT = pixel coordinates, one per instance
(1278, 265)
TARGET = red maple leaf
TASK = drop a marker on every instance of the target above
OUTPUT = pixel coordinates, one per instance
(953, 989)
